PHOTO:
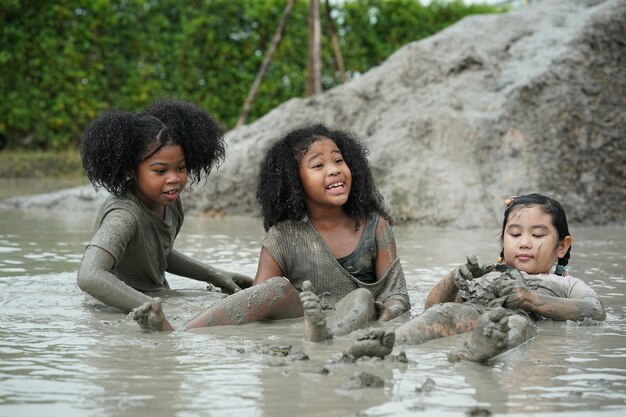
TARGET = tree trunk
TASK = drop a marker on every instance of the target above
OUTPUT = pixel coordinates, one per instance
(337, 56)
(314, 76)
(265, 64)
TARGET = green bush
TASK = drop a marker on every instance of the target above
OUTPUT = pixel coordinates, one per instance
(64, 61)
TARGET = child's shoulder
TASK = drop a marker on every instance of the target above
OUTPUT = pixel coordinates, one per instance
(288, 226)
(129, 202)
(129, 205)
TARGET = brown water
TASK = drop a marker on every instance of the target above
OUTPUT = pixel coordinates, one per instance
(63, 354)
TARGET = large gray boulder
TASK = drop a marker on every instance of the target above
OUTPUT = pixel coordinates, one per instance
(529, 101)
(496, 105)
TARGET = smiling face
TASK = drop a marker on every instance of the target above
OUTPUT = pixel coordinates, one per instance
(161, 178)
(325, 177)
(530, 241)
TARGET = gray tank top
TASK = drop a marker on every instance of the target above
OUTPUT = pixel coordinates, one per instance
(361, 263)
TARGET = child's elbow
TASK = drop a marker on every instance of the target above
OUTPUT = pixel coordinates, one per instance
(594, 310)
(85, 280)
(599, 313)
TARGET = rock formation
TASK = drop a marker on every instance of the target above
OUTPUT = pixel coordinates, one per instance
(495, 105)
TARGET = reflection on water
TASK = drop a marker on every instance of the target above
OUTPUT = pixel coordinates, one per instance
(64, 354)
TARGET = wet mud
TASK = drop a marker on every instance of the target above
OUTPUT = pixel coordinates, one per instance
(54, 339)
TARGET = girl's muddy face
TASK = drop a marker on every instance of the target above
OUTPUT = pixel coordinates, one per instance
(326, 178)
(530, 241)
(161, 178)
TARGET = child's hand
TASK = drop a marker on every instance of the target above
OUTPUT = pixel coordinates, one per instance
(516, 292)
(460, 276)
(476, 269)
(469, 271)
(389, 310)
(150, 316)
(242, 281)
(233, 282)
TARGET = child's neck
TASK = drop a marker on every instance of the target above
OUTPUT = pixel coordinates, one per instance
(337, 230)
(329, 219)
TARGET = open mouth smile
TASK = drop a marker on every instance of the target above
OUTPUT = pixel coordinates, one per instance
(171, 194)
(335, 186)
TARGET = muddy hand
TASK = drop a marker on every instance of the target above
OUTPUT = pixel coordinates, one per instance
(242, 281)
(387, 312)
(518, 294)
(477, 270)
(460, 276)
(231, 283)
(150, 316)
(472, 269)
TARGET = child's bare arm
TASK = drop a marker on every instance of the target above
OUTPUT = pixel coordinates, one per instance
(386, 251)
(445, 291)
(581, 306)
(390, 309)
(267, 268)
(569, 308)
(386, 254)
(183, 265)
(96, 279)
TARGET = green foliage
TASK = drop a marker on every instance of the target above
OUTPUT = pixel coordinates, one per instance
(64, 61)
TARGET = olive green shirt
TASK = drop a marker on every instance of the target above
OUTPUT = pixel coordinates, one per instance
(302, 255)
(138, 240)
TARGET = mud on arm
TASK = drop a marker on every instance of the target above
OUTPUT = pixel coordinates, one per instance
(563, 309)
(386, 255)
(390, 309)
(96, 279)
(445, 291)
(582, 302)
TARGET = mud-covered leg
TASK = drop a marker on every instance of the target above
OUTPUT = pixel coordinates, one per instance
(273, 299)
(315, 328)
(489, 339)
(352, 312)
(521, 329)
(373, 342)
(441, 320)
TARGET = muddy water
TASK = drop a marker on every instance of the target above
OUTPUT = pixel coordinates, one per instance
(63, 354)
(15, 187)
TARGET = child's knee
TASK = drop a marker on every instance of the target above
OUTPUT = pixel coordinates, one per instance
(360, 299)
(363, 295)
(279, 286)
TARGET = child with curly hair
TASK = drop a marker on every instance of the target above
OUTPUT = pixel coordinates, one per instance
(144, 161)
(327, 230)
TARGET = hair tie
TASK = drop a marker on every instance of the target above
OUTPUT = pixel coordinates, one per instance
(510, 200)
(561, 270)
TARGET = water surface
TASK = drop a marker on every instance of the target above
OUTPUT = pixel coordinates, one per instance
(64, 354)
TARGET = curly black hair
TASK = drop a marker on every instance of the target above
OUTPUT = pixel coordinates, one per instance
(279, 189)
(549, 206)
(116, 142)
